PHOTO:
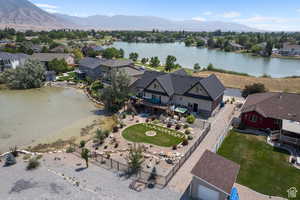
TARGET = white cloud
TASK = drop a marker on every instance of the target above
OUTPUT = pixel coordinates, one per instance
(47, 7)
(271, 23)
(298, 10)
(41, 5)
(201, 19)
(49, 10)
(232, 14)
(207, 13)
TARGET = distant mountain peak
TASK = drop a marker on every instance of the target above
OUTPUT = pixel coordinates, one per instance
(22, 14)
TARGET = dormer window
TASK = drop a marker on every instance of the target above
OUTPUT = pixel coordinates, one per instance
(155, 86)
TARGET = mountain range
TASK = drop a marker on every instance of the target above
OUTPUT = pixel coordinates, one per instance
(22, 14)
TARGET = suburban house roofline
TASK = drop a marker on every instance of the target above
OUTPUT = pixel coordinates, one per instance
(159, 84)
(211, 185)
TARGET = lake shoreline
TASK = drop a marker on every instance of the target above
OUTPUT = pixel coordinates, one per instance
(230, 61)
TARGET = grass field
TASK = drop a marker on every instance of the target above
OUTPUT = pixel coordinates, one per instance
(272, 84)
(136, 133)
(263, 168)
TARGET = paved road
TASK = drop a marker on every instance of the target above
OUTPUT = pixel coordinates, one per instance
(183, 177)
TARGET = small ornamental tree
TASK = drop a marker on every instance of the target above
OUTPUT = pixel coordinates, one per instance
(135, 159)
(85, 156)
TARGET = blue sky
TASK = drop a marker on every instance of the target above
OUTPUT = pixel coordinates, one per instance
(263, 14)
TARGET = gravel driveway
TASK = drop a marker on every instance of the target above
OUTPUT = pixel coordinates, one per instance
(55, 179)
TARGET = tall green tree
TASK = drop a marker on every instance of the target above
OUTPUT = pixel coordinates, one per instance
(115, 95)
(135, 158)
(252, 89)
(59, 66)
(31, 75)
(154, 62)
(85, 154)
(170, 62)
(133, 56)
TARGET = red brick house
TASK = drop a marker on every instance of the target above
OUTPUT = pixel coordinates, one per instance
(275, 111)
(267, 110)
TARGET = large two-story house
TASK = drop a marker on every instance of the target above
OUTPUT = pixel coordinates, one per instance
(100, 68)
(195, 94)
(10, 60)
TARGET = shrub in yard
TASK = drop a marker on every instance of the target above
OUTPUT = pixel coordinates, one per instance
(106, 133)
(26, 156)
(33, 164)
(169, 125)
(70, 149)
(185, 142)
(14, 151)
(178, 126)
(174, 147)
(39, 156)
(190, 119)
(147, 120)
(187, 132)
(115, 129)
(105, 147)
(190, 137)
(10, 159)
(82, 143)
(186, 126)
(116, 145)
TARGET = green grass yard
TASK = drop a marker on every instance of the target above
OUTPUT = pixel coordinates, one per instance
(136, 133)
(264, 168)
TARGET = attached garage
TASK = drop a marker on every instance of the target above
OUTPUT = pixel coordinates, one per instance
(206, 193)
(213, 177)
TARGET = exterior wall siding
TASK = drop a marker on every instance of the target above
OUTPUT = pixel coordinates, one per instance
(164, 99)
(194, 189)
(260, 122)
(203, 105)
(198, 90)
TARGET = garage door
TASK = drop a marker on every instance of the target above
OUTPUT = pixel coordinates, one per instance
(205, 193)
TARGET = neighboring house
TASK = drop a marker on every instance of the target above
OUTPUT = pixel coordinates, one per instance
(274, 111)
(36, 48)
(162, 90)
(47, 57)
(59, 49)
(290, 50)
(236, 46)
(213, 177)
(100, 68)
(10, 60)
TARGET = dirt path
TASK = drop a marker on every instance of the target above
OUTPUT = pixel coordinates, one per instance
(272, 84)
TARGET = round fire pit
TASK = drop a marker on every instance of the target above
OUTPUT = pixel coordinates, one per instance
(150, 133)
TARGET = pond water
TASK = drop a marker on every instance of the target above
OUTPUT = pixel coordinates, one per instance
(188, 56)
(29, 116)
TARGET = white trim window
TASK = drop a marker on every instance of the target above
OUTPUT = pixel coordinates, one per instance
(253, 118)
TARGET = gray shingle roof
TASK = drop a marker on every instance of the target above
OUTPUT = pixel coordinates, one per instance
(90, 62)
(46, 57)
(180, 84)
(116, 63)
(95, 62)
(217, 171)
(274, 105)
(12, 56)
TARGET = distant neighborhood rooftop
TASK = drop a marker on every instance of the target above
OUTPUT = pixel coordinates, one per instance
(217, 171)
(12, 56)
(46, 57)
(95, 62)
(274, 105)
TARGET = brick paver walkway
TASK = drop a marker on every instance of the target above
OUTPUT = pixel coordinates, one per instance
(183, 177)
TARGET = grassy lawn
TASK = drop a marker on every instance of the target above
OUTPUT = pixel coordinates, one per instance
(263, 168)
(136, 133)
